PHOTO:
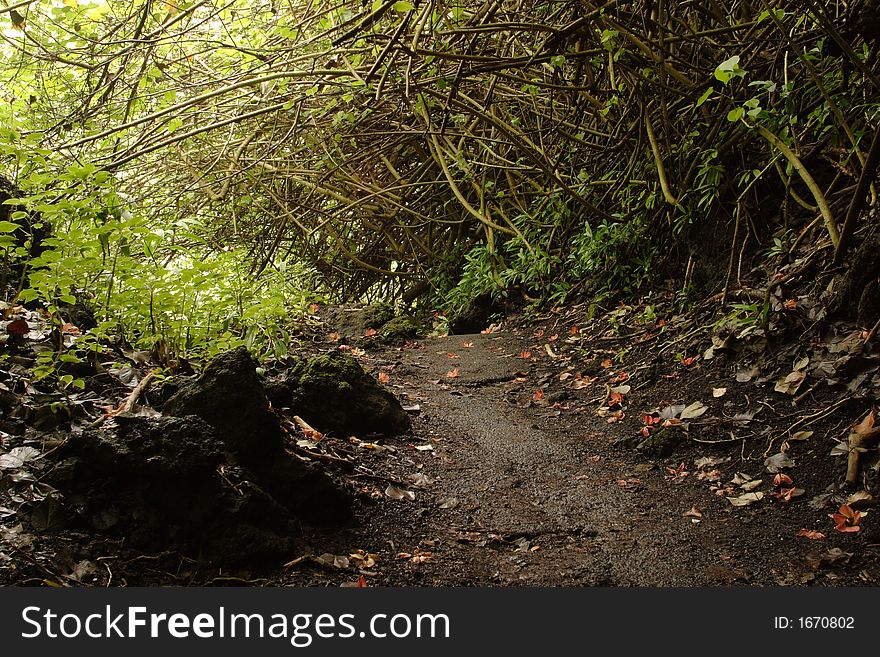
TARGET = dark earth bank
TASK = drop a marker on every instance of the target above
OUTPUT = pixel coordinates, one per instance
(638, 448)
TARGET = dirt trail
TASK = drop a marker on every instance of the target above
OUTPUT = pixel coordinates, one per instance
(542, 497)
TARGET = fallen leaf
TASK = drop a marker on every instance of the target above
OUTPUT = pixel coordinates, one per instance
(525, 355)
(847, 519)
(333, 337)
(453, 374)
(830, 558)
(719, 392)
(745, 375)
(694, 513)
(812, 534)
(370, 332)
(790, 384)
(467, 345)
(695, 410)
(777, 462)
(782, 479)
(384, 377)
(396, 493)
(746, 499)
(539, 395)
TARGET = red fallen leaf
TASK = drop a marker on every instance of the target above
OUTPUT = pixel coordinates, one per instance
(453, 374)
(687, 362)
(781, 479)
(313, 307)
(488, 330)
(362, 582)
(615, 399)
(677, 474)
(333, 337)
(607, 363)
(538, 334)
(787, 494)
(616, 416)
(525, 355)
(650, 419)
(384, 377)
(812, 534)
(646, 431)
(661, 323)
(574, 330)
(19, 327)
(553, 338)
(344, 347)
(451, 355)
(539, 395)
(623, 376)
(467, 345)
(370, 332)
(847, 520)
(790, 304)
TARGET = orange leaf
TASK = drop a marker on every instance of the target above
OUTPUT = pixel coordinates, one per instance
(539, 395)
(812, 534)
(453, 374)
(333, 337)
(370, 332)
(553, 338)
(866, 426)
(313, 308)
(781, 479)
(574, 330)
(467, 345)
(384, 377)
(538, 334)
(607, 363)
(525, 355)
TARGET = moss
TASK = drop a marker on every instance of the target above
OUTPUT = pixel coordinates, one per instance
(403, 327)
(333, 393)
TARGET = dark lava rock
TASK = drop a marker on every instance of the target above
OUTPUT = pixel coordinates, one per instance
(401, 328)
(229, 396)
(334, 394)
(475, 316)
(156, 482)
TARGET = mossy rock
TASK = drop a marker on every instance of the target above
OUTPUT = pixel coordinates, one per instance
(661, 444)
(334, 394)
(353, 323)
(401, 328)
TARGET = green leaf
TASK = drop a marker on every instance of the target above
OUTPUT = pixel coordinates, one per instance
(402, 7)
(729, 69)
(735, 114)
(702, 99)
(8, 227)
